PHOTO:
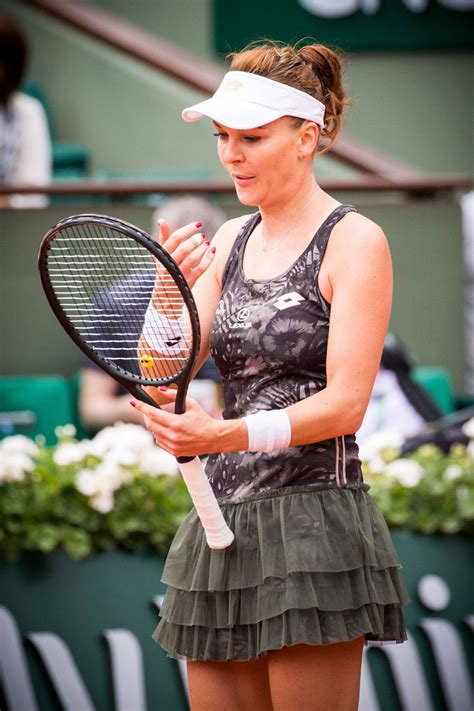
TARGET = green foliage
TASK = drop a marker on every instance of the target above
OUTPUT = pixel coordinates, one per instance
(45, 510)
(440, 497)
(45, 505)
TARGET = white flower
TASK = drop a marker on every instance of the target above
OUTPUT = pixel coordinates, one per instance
(126, 476)
(406, 471)
(14, 465)
(65, 431)
(16, 454)
(96, 448)
(119, 448)
(133, 438)
(103, 502)
(86, 482)
(109, 476)
(18, 444)
(468, 428)
(376, 442)
(375, 464)
(470, 449)
(123, 457)
(454, 471)
(103, 480)
(69, 453)
(155, 461)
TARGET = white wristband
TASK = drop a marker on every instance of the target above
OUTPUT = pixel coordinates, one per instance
(161, 334)
(268, 430)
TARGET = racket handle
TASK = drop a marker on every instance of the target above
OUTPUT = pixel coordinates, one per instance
(218, 534)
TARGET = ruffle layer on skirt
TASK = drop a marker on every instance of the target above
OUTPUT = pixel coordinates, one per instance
(312, 565)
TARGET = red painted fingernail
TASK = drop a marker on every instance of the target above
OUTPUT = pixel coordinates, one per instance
(132, 404)
(208, 243)
(213, 250)
(203, 236)
(198, 224)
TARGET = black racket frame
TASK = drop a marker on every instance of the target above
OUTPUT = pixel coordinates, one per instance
(129, 381)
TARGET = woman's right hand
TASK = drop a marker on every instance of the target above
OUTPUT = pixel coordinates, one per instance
(193, 255)
(188, 247)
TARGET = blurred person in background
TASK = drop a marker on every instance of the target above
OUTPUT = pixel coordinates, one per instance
(101, 400)
(25, 145)
(401, 412)
(398, 404)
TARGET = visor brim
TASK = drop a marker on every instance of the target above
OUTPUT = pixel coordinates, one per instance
(238, 115)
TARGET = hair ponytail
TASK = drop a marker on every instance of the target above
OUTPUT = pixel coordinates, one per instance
(328, 67)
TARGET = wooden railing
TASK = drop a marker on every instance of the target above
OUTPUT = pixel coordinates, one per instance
(133, 41)
(416, 186)
(380, 171)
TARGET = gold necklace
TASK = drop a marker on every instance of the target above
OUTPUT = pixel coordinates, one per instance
(264, 247)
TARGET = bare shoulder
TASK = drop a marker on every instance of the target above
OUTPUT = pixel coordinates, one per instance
(357, 230)
(357, 250)
(356, 238)
(224, 240)
(356, 226)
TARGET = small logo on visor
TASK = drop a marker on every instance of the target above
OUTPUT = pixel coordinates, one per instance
(232, 85)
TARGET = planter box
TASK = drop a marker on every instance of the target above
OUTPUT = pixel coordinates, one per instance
(84, 634)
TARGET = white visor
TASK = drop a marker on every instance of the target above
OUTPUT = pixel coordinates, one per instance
(245, 100)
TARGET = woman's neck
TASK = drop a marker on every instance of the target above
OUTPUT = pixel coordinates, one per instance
(282, 217)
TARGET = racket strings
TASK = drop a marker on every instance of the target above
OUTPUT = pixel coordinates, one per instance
(104, 282)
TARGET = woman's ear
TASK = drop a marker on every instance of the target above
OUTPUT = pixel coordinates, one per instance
(308, 139)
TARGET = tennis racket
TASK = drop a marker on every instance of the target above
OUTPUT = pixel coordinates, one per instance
(100, 275)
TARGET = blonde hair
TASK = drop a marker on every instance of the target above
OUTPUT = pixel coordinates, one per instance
(313, 68)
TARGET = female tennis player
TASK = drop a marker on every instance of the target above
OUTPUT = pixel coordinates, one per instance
(294, 307)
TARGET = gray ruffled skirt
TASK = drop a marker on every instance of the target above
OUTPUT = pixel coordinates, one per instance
(313, 565)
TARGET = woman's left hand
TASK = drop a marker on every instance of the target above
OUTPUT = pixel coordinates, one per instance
(190, 434)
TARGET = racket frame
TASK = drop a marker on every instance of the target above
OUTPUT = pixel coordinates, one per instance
(127, 380)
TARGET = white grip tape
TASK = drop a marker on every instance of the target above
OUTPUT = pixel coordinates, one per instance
(268, 430)
(161, 334)
(218, 533)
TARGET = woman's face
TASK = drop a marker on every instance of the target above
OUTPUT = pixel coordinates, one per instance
(265, 163)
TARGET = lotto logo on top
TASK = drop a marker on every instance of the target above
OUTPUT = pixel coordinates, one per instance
(287, 300)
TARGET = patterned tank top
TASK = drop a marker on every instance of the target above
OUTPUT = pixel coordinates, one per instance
(269, 342)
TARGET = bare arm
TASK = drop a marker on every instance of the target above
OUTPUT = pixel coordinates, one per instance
(99, 405)
(362, 284)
